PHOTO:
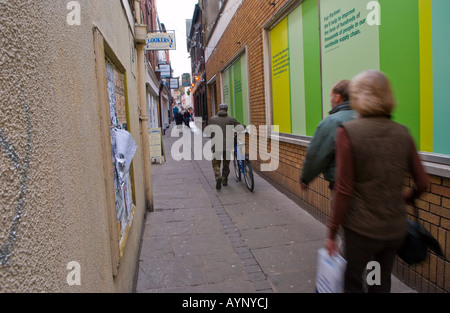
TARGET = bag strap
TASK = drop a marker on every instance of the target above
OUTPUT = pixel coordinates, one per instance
(415, 194)
(416, 210)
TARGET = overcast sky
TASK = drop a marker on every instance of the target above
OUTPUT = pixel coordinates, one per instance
(173, 14)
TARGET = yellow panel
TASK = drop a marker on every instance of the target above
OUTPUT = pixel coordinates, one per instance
(281, 101)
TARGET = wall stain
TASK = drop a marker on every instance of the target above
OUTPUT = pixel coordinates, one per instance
(21, 165)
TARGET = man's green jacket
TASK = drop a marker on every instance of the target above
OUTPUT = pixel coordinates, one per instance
(320, 156)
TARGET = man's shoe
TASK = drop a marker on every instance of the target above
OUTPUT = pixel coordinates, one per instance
(225, 183)
(218, 184)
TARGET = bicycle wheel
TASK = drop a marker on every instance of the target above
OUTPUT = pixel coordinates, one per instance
(237, 168)
(248, 175)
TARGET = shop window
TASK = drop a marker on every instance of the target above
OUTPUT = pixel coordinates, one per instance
(235, 89)
(310, 45)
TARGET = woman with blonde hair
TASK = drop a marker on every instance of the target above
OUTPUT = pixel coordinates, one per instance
(373, 156)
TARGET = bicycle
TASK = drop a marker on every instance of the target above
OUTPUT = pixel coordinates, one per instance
(242, 166)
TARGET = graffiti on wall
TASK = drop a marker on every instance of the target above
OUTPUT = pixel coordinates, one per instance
(20, 164)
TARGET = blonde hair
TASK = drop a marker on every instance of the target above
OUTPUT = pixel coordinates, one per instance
(371, 94)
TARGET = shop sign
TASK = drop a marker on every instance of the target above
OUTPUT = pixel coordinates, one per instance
(161, 41)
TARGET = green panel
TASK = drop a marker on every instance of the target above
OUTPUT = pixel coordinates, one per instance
(237, 83)
(400, 59)
(297, 73)
(244, 77)
(226, 87)
(231, 104)
(441, 75)
(426, 76)
(311, 54)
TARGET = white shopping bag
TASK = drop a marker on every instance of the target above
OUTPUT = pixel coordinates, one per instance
(330, 272)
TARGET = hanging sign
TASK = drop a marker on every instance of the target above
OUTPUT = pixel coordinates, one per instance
(186, 80)
(161, 41)
(165, 70)
(174, 83)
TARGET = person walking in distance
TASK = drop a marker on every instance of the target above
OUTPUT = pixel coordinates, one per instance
(175, 111)
(373, 156)
(179, 119)
(320, 156)
(187, 117)
(221, 156)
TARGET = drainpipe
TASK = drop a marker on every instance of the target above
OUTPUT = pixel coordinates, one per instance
(160, 106)
(141, 35)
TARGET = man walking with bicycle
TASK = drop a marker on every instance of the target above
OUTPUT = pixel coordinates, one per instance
(222, 154)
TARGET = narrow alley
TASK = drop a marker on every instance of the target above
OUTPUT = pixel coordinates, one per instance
(200, 239)
(91, 90)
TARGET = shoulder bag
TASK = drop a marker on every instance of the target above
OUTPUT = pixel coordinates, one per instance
(417, 242)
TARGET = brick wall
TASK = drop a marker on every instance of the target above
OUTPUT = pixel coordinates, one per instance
(434, 214)
(246, 30)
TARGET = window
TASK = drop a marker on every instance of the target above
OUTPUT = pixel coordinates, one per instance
(235, 89)
(311, 45)
(113, 112)
(294, 65)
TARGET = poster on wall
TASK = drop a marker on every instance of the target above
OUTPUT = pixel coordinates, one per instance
(120, 98)
(346, 35)
(123, 147)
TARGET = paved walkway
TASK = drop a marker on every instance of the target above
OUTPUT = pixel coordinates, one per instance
(200, 239)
